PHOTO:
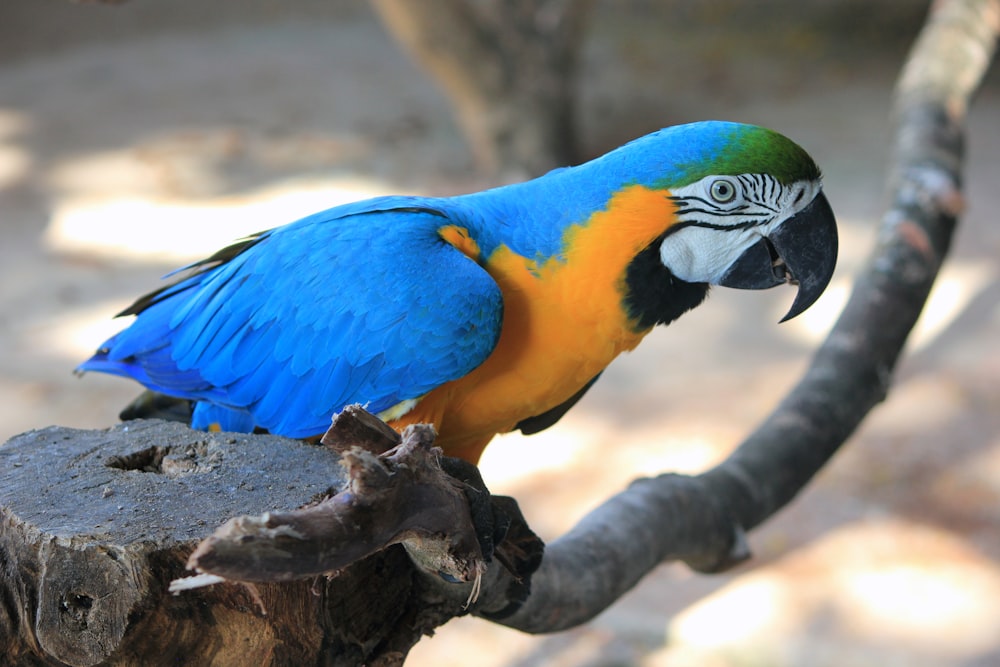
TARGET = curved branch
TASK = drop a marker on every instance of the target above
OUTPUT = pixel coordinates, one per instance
(701, 519)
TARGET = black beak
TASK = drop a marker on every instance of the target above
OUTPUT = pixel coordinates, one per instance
(802, 251)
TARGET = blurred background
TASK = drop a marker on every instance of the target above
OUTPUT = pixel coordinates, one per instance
(139, 137)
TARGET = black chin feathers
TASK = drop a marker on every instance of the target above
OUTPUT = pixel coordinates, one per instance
(653, 294)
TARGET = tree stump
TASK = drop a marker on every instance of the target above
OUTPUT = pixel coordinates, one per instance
(95, 524)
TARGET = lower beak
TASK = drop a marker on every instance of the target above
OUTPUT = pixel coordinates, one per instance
(801, 251)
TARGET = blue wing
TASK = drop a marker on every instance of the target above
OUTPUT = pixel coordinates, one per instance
(363, 303)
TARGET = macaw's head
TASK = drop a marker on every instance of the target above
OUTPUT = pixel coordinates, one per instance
(749, 212)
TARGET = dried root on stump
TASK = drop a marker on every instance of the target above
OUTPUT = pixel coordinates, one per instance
(400, 490)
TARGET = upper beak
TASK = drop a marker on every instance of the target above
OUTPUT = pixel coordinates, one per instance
(801, 251)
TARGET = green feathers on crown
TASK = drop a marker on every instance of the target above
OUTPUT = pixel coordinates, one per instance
(721, 148)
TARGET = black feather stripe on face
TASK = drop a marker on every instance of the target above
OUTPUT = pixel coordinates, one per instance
(653, 295)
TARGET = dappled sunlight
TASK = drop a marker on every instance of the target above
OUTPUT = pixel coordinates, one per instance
(684, 449)
(956, 286)
(75, 333)
(38, 383)
(561, 474)
(864, 585)
(181, 230)
(580, 439)
(512, 457)
(755, 605)
(202, 162)
(930, 604)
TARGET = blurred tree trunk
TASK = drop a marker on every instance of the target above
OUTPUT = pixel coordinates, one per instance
(509, 70)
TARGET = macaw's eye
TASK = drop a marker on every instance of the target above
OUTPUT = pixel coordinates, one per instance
(722, 191)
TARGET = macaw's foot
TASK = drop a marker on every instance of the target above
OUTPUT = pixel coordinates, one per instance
(500, 527)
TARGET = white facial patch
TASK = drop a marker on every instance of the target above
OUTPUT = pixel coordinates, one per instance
(720, 217)
(698, 255)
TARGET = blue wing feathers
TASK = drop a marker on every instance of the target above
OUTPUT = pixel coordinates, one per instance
(362, 303)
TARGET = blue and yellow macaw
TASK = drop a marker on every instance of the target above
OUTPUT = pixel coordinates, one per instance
(486, 312)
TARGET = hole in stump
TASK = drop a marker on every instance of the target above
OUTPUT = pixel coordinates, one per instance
(146, 460)
(77, 606)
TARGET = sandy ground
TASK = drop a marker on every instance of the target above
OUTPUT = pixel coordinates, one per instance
(136, 138)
